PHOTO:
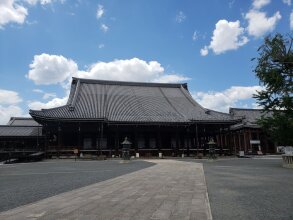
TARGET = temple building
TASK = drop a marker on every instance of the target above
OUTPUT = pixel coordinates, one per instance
(247, 136)
(20, 136)
(155, 117)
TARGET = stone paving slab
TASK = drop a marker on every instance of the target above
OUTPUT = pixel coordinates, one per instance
(168, 190)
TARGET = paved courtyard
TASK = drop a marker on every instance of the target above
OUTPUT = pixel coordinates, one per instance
(253, 189)
(25, 183)
(168, 190)
(256, 188)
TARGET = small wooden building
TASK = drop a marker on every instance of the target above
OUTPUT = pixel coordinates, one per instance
(156, 117)
(21, 136)
(247, 135)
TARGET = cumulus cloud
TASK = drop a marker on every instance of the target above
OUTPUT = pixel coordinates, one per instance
(170, 78)
(104, 27)
(100, 11)
(8, 105)
(204, 51)
(291, 20)
(11, 12)
(9, 111)
(51, 69)
(124, 70)
(130, 70)
(45, 95)
(226, 36)
(288, 2)
(259, 24)
(37, 105)
(43, 2)
(223, 100)
(258, 4)
(8, 97)
(180, 17)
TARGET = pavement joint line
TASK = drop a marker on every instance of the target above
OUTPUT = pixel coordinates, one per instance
(177, 183)
(61, 172)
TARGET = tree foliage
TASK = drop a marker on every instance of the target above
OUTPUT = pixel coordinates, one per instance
(275, 71)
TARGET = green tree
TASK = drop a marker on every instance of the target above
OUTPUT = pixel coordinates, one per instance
(275, 71)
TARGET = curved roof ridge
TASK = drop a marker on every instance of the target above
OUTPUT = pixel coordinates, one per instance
(189, 97)
(48, 109)
(245, 109)
(128, 83)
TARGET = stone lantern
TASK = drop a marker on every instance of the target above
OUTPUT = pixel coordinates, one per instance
(212, 146)
(125, 149)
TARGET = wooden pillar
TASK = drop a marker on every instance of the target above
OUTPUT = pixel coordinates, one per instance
(245, 141)
(159, 141)
(135, 142)
(188, 142)
(234, 142)
(59, 140)
(101, 137)
(177, 143)
(116, 142)
(196, 138)
(250, 146)
(239, 141)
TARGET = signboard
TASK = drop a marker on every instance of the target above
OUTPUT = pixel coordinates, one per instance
(254, 141)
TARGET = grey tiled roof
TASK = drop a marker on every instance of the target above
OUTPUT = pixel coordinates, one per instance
(249, 117)
(116, 101)
(23, 121)
(20, 131)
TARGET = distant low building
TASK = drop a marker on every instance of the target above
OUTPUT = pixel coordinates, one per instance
(20, 136)
(247, 135)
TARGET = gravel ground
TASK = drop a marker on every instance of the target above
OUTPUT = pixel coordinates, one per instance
(21, 184)
(249, 189)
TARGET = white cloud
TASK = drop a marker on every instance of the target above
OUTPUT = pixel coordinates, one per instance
(258, 4)
(101, 46)
(49, 95)
(37, 105)
(204, 51)
(100, 11)
(226, 36)
(259, 24)
(51, 69)
(104, 27)
(291, 20)
(180, 17)
(130, 70)
(194, 36)
(8, 97)
(38, 91)
(44, 2)
(231, 3)
(223, 100)
(11, 12)
(9, 111)
(8, 105)
(288, 2)
(171, 78)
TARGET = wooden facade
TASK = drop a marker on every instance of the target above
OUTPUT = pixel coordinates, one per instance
(155, 117)
(147, 140)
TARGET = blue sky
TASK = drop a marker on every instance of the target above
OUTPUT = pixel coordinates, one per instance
(206, 43)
